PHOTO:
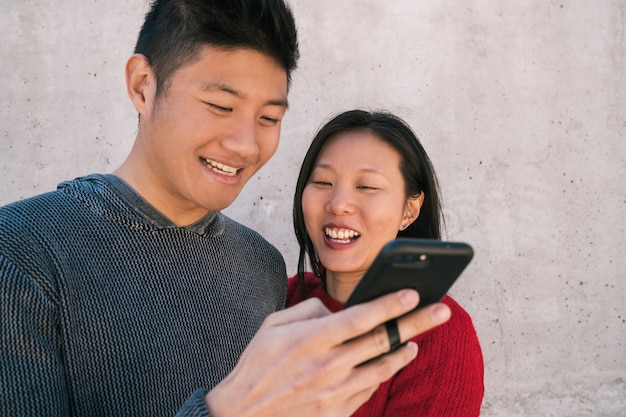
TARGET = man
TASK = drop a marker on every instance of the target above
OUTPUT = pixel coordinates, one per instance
(131, 294)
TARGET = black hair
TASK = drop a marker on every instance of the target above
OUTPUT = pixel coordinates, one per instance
(415, 166)
(174, 31)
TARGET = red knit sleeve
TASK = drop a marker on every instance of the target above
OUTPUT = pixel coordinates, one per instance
(293, 292)
(446, 378)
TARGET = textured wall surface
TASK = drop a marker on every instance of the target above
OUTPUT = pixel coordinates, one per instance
(521, 106)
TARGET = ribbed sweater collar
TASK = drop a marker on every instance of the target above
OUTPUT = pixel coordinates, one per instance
(129, 201)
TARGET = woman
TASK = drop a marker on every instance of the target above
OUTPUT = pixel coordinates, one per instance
(366, 180)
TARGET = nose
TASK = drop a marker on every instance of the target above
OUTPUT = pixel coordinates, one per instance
(340, 201)
(242, 140)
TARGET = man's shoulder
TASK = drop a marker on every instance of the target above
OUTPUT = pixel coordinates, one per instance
(35, 208)
(47, 205)
(246, 237)
(245, 232)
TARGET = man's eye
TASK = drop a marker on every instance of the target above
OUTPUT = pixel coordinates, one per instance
(220, 108)
(270, 120)
(366, 187)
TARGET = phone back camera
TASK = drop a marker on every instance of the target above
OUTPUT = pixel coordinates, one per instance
(410, 258)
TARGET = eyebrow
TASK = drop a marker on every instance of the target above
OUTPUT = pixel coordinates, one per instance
(230, 90)
(362, 170)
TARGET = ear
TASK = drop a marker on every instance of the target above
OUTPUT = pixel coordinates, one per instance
(411, 210)
(140, 83)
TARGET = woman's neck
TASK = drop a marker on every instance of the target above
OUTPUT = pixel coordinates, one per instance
(339, 285)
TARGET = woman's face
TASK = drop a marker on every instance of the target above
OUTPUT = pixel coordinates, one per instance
(355, 202)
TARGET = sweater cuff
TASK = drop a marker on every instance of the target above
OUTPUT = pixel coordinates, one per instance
(195, 405)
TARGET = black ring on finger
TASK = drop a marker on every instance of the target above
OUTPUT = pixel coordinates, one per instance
(393, 334)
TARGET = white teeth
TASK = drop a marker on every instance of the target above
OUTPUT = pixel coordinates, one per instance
(221, 168)
(341, 234)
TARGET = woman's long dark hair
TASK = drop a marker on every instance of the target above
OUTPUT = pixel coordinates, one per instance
(415, 166)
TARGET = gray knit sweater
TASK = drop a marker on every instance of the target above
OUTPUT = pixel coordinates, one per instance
(109, 309)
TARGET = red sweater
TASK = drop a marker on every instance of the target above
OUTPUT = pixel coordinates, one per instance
(446, 378)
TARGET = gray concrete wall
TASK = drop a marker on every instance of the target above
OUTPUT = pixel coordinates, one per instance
(521, 105)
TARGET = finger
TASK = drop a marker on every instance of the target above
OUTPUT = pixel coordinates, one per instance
(393, 334)
(422, 320)
(377, 342)
(369, 376)
(362, 318)
(362, 349)
(306, 310)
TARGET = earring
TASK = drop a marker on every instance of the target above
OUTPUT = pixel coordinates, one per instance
(403, 226)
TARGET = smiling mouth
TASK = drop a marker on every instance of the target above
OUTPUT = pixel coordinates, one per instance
(220, 168)
(341, 235)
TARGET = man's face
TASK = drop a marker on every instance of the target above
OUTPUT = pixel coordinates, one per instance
(216, 124)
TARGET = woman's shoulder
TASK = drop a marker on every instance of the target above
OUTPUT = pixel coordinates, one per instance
(293, 291)
(313, 286)
(450, 358)
(456, 308)
(460, 327)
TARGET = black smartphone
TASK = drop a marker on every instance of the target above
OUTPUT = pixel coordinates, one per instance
(429, 266)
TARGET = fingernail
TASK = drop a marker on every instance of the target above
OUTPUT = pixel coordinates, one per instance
(409, 298)
(441, 313)
(412, 346)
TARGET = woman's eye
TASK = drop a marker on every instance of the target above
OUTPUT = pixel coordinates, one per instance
(367, 187)
(322, 183)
